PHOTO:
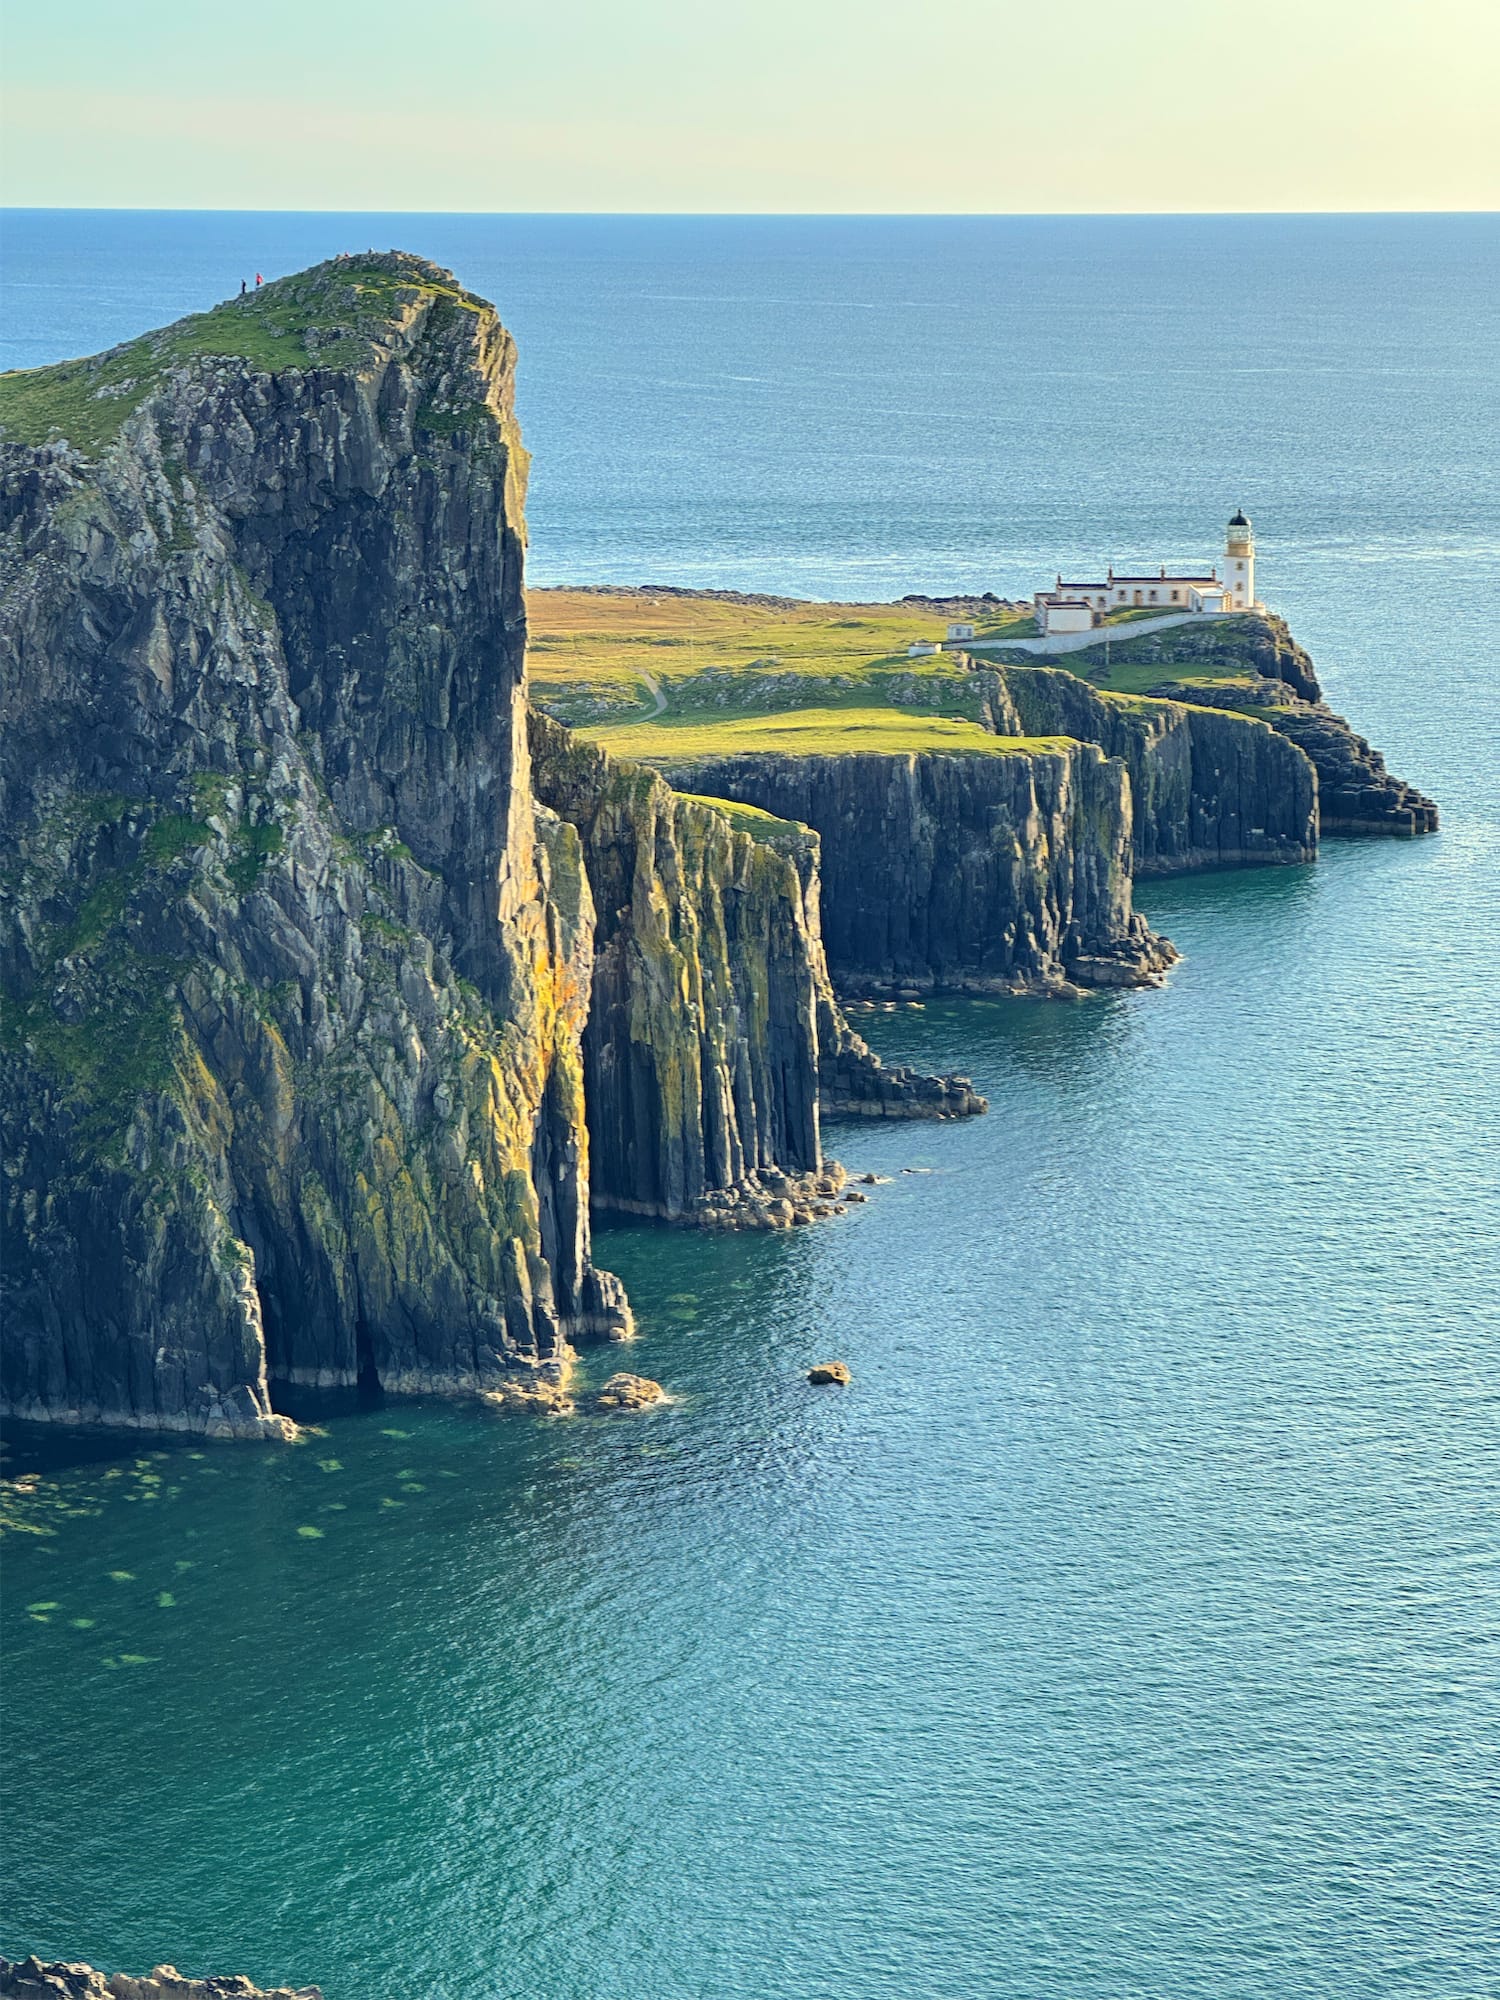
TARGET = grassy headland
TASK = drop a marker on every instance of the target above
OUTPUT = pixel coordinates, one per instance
(1208, 655)
(750, 819)
(607, 657)
(329, 317)
(673, 676)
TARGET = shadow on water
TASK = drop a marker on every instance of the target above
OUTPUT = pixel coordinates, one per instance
(27, 1449)
(319, 1406)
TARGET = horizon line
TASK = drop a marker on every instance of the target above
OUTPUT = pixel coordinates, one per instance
(769, 215)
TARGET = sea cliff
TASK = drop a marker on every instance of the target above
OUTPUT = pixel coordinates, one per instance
(338, 987)
(312, 994)
(713, 1033)
(1251, 666)
(295, 969)
(960, 871)
(1208, 788)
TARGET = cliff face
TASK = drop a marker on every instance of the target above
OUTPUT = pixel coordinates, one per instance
(701, 1046)
(295, 971)
(713, 1032)
(964, 873)
(1356, 793)
(1208, 789)
(1279, 685)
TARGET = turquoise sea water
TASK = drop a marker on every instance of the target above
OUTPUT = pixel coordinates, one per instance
(1131, 1627)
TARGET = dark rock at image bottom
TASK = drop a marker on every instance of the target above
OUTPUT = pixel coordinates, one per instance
(34, 1979)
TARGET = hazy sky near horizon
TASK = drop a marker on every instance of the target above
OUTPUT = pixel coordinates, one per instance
(954, 106)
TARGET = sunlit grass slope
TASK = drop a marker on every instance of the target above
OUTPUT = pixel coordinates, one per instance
(606, 657)
(598, 656)
(812, 732)
(1198, 655)
(750, 819)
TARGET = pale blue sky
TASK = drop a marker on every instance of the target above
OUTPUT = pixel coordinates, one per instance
(780, 105)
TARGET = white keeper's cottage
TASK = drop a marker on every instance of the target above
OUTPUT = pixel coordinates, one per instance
(1077, 607)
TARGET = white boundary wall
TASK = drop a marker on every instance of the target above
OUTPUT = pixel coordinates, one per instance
(1078, 642)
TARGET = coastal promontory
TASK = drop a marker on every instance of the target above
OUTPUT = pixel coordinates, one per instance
(307, 980)
(365, 925)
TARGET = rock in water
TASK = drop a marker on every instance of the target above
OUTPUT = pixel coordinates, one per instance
(530, 1396)
(628, 1392)
(824, 1372)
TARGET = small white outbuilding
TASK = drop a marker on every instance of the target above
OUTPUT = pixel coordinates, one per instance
(1057, 613)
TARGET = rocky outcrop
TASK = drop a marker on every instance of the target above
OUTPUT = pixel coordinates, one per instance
(1253, 643)
(1208, 790)
(626, 1392)
(713, 1032)
(966, 872)
(1268, 676)
(34, 1979)
(295, 970)
(1356, 793)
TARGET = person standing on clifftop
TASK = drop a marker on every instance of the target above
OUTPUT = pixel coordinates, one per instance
(242, 288)
(257, 281)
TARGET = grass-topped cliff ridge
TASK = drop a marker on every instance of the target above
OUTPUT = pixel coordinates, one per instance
(344, 315)
(816, 732)
(654, 671)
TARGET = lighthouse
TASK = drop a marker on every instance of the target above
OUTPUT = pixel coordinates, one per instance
(1239, 563)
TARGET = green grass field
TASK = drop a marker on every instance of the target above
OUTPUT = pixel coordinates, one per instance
(811, 732)
(680, 676)
(1187, 656)
(1139, 677)
(607, 656)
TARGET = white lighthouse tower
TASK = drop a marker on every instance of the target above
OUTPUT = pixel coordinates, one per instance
(1239, 563)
